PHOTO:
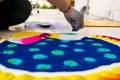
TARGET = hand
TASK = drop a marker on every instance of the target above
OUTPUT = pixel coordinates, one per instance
(75, 19)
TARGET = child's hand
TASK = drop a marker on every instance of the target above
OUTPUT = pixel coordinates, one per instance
(75, 19)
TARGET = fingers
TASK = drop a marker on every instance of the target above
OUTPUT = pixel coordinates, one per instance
(75, 19)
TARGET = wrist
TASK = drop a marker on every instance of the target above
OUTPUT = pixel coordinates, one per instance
(65, 11)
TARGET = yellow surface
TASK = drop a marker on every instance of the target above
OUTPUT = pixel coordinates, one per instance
(102, 75)
(27, 34)
(116, 70)
(2, 39)
(107, 39)
(93, 76)
(24, 34)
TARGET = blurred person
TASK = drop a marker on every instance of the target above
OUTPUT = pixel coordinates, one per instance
(13, 12)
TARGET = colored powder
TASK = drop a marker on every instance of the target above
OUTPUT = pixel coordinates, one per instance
(8, 52)
(34, 49)
(15, 61)
(39, 56)
(110, 56)
(89, 59)
(103, 50)
(33, 39)
(49, 39)
(57, 52)
(70, 63)
(54, 55)
(43, 66)
(79, 43)
(79, 50)
(44, 35)
(42, 43)
(12, 45)
(63, 45)
(97, 44)
(30, 40)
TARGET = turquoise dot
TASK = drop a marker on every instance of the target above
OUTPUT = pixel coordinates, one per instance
(63, 45)
(57, 52)
(8, 52)
(97, 44)
(49, 39)
(79, 50)
(89, 40)
(69, 33)
(89, 59)
(11, 45)
(65, 41)
(42, 43)
(103, 50)
(15, 61)
(43, 67)
(70, 63)
(110, 56)
(79, 43)
(34, 49)
(39, 56)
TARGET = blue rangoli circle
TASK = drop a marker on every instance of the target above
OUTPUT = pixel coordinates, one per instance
(54, 55)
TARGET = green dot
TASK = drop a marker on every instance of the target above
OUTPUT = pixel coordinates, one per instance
(39, 56)
(97, 44)
(79, 50)
(103, 50)
(69, 33)
(43, 67)
(79, 43)
(42, 43)
(11, 45)
(15, 61)
(110, 56)
(57, 52)
(63, 45)
(8, 52)
(49, 39)
(34, 49)
(70, 63)
(89, 59)
(65, 41)
(89, 40)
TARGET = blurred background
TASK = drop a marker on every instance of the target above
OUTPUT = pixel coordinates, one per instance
(108, 9)
(99, 13)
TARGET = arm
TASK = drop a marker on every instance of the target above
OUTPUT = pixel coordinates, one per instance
(61, 4)
(72, 16)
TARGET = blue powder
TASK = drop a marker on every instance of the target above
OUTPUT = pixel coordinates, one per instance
(54, 55)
